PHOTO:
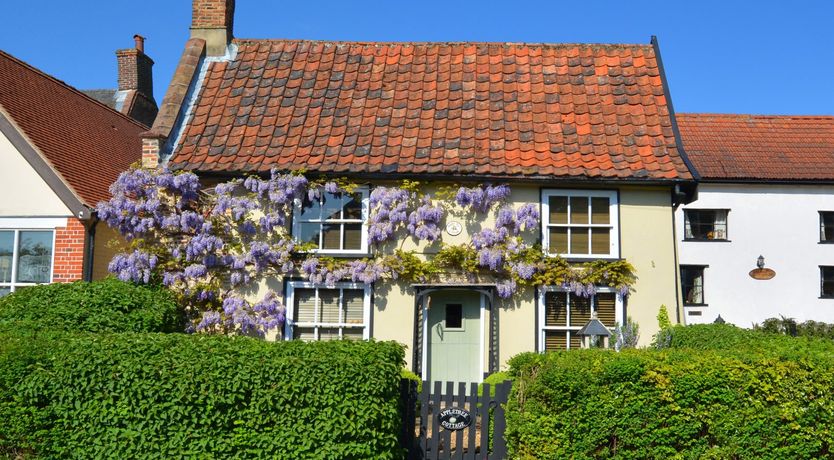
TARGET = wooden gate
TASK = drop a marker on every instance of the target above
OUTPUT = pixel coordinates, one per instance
(424, 436)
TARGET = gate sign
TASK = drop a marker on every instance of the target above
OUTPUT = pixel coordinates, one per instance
(454, 418)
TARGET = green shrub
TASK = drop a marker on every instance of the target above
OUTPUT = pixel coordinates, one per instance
(742, 342)
(678, 403)
(109, 305)
(493, 379)
(789, 326)
(408, 375)
(175, 395)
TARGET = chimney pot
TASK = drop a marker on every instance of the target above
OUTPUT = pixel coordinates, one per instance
(140, 42)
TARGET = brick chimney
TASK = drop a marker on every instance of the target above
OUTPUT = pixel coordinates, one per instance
(136, 83)
(213, 21)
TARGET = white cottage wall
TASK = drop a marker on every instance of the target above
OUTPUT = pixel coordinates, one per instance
(780, 223)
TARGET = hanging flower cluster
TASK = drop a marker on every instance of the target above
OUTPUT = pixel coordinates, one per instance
(208, 245)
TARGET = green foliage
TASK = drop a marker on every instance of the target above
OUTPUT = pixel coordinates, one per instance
(493, 379)
(65, 395)
(676, 403)
(109, 305)
(626, 335)
(664, 334)
(408, 375)
(663, 318)
(459, 257)
(789, 326)
(410, 267)
(733, 340)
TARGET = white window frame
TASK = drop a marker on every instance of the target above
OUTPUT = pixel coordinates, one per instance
(14, 284)
(619, 312)
(613, 215)
(296, 226)
(290, 323)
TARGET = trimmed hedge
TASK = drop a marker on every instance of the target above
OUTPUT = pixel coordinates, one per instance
(733, 340)
(175, 395)
(108, 305)
(680, 403)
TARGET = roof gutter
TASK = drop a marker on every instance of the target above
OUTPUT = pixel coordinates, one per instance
(44, 169)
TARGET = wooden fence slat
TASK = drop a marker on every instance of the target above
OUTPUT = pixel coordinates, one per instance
(501, 396)
(483, 410)
(460, 403)
(434, 447)
(424, 420)
(472, 407)
(447, 435)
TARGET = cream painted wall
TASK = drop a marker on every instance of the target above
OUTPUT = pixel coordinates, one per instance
(108, 243)
(22, 191)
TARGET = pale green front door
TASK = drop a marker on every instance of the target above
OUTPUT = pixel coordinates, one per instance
(454, 341)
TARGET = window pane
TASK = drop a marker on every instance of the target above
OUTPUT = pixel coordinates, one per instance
(353, 206)
(6, 250)
(34, 260)
(580, 310)
(579, 240)
(827, 226)
(354, 300)
(692, 280)
(331, 206)
(578, 210)
(454, 316)
(332, 236)
(555, 340)
(827, 282)
(352, 333)
(309, 233)
(600, 211)
(558, 209)
(310, 210)
(558, 240)
(705, 224)
(600, 240)
(4, 291)
(606, 308)
(306, 334)
(328, 333)
(575, 341)
(353, 236)
(305, 305)
(329, 301)
(555, 308)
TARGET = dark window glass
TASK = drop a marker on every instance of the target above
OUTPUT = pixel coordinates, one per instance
(827, 226)
(827, 281)
(692, 282)
(705, 224)
(454, 316)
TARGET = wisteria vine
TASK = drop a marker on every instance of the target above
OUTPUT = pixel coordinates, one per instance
(210, 244)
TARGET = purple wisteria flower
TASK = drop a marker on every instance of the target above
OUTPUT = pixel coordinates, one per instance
(505, 288)
(388, 210)
(136, 266)
(483, 197)
(424, 222)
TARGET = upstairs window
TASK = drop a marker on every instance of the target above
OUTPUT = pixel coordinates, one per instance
(705, 224)
(580, 223)
(562, 314)
(826, 226)
(692, 284)
(336, 223)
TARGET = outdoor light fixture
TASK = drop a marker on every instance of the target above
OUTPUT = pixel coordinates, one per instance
(592, 331)
(761, 273)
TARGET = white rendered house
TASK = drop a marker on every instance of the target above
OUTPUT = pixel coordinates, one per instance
(767, 189)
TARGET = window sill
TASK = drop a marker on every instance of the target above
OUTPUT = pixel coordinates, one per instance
(583, 258)
(695, 305)
(826, 297)
(696, 240)
(827, 242)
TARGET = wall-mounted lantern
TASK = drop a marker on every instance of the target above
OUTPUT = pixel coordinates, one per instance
(761, 273)
(591, 333)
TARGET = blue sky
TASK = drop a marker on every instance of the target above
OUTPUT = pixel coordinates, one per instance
(720, 56)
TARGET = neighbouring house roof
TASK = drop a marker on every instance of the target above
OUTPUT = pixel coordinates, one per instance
(759, 147)
(477, 109)
(105, 96)
(86, 143)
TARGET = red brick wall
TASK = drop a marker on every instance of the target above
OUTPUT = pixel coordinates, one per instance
(69, 252)
(212, 14)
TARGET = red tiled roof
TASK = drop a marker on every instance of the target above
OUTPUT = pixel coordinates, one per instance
(749, 147)
(86, 142)
(509, 110)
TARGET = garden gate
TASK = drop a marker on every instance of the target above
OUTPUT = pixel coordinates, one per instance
(454, 424)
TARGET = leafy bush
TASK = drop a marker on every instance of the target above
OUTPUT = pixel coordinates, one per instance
(733, 340)
(789, 326)
(493, 379)
(408, 375)
(678, 403)
(175, 395)
(109, 305)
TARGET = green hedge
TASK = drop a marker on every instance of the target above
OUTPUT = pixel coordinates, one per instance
(679, 403)
(109, 305)
(733, 340)
(175, 395)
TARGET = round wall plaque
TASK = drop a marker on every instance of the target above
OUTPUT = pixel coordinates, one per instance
(762, 273)
(454, 418)
(454, 228)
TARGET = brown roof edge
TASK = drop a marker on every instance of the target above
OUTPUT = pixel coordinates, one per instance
(678, 140)
(172, 103)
